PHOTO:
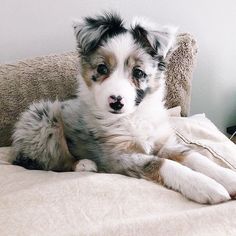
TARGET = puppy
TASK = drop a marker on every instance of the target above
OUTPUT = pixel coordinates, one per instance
(118, 119)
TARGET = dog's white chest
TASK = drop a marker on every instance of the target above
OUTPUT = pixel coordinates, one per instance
(143, 133)
(148, 128)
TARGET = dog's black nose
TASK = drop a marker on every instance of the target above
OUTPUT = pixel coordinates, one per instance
(115, 102)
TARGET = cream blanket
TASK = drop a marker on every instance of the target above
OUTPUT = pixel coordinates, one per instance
(49, 203)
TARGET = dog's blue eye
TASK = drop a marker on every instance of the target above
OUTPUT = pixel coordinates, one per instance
(102, 69)
(138, 74)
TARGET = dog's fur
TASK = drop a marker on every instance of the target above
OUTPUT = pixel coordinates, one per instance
(130, 135)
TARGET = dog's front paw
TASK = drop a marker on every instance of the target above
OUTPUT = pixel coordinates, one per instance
(207, 191)
(85, 165)
(227, 178)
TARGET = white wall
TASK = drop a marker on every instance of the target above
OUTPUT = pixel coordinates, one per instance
(31, 28)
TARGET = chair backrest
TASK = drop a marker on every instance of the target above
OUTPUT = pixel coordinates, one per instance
(54, 76)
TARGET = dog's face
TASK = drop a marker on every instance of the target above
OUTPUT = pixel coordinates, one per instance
(120, 66)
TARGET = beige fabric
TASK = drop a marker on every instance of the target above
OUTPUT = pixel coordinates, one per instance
(54, 76)
(49, 203)
(201, 134)
(179, 73)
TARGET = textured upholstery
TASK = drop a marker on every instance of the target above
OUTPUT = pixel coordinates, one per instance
(54, 76)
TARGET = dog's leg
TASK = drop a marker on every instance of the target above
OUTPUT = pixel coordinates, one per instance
(39, 141)
(173, 175)
(202, 164)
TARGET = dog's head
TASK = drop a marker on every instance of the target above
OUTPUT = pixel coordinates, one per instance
(121, 65)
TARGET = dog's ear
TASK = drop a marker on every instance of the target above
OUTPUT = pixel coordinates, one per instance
(157, 40)
(92, 32)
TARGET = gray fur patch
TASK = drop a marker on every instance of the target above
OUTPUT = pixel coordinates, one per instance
(39, 137)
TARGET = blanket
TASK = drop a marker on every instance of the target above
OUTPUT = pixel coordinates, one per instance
(73, 203)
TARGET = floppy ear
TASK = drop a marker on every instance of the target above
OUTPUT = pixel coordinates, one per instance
(157, 40)
(91, 32)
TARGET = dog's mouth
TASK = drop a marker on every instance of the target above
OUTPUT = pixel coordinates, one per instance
(116, 112)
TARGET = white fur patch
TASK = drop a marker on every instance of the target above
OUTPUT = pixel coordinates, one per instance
(191, 184)
(222, 175)
(85, 165)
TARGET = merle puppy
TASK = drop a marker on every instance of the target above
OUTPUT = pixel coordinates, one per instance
(118, 120)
